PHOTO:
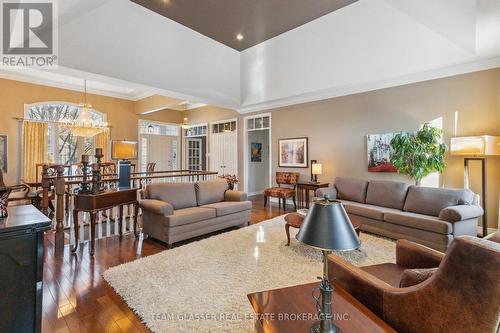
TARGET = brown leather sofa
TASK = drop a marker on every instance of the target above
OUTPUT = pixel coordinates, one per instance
(426, 215)
(172, 212)
(461, 295)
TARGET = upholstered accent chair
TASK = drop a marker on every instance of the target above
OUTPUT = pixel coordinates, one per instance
(427, 291)
(290, 180)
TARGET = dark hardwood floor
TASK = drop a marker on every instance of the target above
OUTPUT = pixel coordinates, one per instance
(77, 299)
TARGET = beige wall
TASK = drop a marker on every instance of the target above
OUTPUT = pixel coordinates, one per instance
(14, 95)
(337, 127)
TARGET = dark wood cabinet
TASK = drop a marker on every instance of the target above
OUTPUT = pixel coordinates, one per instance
(21, 269)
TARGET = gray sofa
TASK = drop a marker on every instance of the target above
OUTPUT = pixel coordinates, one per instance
(426, 215)
(173, 212)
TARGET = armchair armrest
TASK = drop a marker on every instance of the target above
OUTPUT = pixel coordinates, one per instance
(157, 207)
(460, 212)
(330, 191)
(413, 255)
(365, 287)
(232, 195)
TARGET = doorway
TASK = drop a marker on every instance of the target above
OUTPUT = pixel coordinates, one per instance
(224, 147)
(257, 153)
(195, 143)
(158, 144)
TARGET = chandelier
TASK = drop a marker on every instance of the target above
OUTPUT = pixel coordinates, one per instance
(83, 125)
(185, 124)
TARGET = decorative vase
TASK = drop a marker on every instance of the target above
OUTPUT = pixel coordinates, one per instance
(230, 186)
(4, 201)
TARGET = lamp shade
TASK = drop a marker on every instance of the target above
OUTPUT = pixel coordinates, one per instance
(484, 145)
(316, 169)
(327, 227)
(124, 150)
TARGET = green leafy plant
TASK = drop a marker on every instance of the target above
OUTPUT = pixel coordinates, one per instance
(419, 154)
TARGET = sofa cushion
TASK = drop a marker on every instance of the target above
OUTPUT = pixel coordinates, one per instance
(415, 276)
(229, 207)
(419, 221)
(370, 211)
(351, 189)
(210, 191)
(189, 215)
(179, 195)
(431, 200)
(387, 193)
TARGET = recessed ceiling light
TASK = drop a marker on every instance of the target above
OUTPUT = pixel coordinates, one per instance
(239, 36)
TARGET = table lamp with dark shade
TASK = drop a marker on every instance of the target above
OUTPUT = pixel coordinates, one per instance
(327, 227)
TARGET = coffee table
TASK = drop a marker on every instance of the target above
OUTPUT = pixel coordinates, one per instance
(295, 220)
(293, 310)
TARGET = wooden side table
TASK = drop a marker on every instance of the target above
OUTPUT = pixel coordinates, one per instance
(94, 203)
(293, 310)
(303, 189)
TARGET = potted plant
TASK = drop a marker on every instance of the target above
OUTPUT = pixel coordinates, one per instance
(419, 154)
(231, 180)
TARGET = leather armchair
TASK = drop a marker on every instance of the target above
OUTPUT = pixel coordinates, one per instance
(462, 295)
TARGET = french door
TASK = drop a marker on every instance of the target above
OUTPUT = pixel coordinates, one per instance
(224, 148)
(194, 153)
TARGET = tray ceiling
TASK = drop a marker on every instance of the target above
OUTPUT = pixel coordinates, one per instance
(256, 20)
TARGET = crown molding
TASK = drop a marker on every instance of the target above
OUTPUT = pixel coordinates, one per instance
(68, 86)
(463, 68)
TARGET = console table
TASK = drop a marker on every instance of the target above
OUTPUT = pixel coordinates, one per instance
(94, 203)
(21, 272)
(303, 189)
(292, 310)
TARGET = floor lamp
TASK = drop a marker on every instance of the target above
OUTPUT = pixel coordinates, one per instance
(479, 147)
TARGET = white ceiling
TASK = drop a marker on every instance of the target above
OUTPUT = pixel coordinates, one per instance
(127, 51)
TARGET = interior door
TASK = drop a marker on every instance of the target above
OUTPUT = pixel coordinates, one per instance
(160, 149)
(193, 153)
(224, 153)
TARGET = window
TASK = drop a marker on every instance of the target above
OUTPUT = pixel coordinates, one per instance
(258, 123)
(63, 146)
(229, 126)
(150, 127)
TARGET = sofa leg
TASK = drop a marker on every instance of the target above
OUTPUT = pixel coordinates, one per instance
(169, 246)
(265, 200)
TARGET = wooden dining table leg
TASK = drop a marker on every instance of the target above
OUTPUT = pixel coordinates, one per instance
(76, 229)
(93, 219)
(120, 220)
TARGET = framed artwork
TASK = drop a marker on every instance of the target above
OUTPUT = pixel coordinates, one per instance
(293, 153)
(3, 153)
(256, 152)
(379, 152)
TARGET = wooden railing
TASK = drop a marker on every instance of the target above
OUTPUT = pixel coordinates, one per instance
(61, 188)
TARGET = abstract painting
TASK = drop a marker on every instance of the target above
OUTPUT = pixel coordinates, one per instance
(256, 152)
(379, 152)
(292, 153)
(3, 153)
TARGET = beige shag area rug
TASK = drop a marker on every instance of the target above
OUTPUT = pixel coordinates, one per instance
(203, 286)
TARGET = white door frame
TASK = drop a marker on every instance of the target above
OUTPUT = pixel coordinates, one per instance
(246, 152)
(180, 145)
(207, 143)
(210, 130)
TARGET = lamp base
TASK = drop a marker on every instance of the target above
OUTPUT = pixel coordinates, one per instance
(315, 328)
